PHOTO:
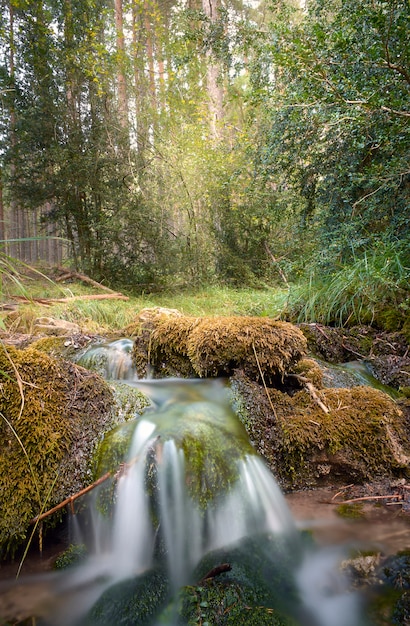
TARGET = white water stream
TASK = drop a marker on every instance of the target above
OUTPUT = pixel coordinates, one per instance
(250, 504)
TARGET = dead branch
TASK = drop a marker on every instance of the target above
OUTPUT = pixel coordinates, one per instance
(67, 275)
(215, 571)
(49, 301)
(71, 499)
(312, 391)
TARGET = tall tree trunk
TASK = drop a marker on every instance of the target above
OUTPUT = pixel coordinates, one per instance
(121, 76)
(13, 248)
(213, 76)
(140, 85)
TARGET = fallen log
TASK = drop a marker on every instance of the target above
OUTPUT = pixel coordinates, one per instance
(50, 301)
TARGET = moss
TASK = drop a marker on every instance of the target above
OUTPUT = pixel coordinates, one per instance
(213, 442)
(311, 370)
(363, 430)
(130, 401)
(131, 602)
(219, 345)
(55, 427)
(141, 329)
(74, 555)
(215, 346)
(258, 589)
(169, 346)
(350, 511)
(364, 435)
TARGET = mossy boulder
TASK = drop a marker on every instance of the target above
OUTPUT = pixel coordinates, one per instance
(361, 437)
(51, 415)
(197, 417)
(216, 346)
(257, 589)
(130, 602)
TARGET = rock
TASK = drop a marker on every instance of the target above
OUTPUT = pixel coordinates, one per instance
(176, 345)
(52, 414)
(52, 326)
(364, 435)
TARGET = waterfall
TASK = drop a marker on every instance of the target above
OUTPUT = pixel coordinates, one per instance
(192, 490)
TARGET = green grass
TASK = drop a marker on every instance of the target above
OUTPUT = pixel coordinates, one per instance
(113, 315)
(373, 290)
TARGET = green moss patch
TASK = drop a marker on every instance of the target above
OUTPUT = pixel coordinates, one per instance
(51, 415)
(216, 346)
(363, 436)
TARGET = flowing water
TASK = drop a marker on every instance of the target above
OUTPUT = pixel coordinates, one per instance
(192, 485)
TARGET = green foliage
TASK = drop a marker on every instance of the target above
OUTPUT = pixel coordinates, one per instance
(334, 130)
(74, 555)
(373, 289)
(130, 602)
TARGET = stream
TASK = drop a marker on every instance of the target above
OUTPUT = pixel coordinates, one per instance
(193, 487)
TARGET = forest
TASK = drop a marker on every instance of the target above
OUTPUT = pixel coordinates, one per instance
(173, 144)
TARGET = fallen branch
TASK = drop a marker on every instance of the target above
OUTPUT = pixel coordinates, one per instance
(67, 275)
(71, 499)
(122, 469)
(49, 301)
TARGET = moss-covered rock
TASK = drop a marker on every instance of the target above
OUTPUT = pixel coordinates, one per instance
(363, 436)
(258, 589)
(130, 602)
(216, 346)
(146, 355)
(51, 415)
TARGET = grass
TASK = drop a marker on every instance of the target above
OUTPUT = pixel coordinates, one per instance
(371, 290)
(106, 316)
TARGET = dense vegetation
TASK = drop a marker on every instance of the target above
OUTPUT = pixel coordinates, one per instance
(170, 145)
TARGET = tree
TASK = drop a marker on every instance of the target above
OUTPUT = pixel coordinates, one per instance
(338, 118)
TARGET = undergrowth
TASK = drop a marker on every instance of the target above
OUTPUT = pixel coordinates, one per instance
(372, 290)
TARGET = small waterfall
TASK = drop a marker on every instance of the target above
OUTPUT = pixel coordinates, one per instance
(192, 485)
(111, 360)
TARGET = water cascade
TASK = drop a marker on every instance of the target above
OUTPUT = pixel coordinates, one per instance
(191, 496)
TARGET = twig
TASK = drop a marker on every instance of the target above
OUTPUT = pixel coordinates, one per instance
(311, 389)
(263, 381)
(71, 499)
(353, 351)
(321, 331)
(342, 490)
(396, 495)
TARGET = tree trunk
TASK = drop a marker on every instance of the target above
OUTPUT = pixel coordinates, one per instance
(121, 76)
(213, 76)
